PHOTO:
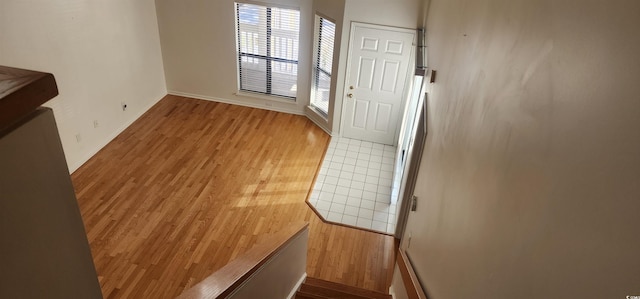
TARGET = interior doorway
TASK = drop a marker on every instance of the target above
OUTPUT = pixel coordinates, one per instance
(363, 184)
(360, 178)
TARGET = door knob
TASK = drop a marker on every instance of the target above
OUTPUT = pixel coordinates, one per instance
(350, 95)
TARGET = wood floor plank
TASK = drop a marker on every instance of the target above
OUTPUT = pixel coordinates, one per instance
(192, 184)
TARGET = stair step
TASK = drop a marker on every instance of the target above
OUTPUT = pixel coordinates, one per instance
(328, 293)
(330, 289)
(303, 295)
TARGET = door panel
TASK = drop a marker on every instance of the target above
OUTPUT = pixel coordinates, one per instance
(382, 118)
(365, 72)
(390, 76)
(379, 61)
(360, 114)
(394, 47)
(369, 44)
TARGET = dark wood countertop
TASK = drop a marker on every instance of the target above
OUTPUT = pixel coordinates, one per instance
(21, 92)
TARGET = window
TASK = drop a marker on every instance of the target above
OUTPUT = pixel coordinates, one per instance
(323, 65)
(268, 43)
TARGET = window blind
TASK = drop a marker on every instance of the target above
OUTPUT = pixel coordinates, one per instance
(268, 44)
(323, 65)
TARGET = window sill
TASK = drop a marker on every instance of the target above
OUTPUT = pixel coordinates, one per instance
(319, 112)
(265, 97)
(318, 118)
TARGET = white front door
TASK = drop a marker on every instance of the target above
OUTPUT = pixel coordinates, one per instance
(379, 61)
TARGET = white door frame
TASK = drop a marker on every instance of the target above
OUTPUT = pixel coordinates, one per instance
(410, 70)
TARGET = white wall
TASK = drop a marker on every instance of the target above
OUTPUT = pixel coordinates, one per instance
(199, 50)
(101, 52)
(528, 186)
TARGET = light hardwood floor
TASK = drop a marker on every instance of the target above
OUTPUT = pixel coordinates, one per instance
(192, 184)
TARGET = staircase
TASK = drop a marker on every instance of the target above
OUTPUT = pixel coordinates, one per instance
(314, 288)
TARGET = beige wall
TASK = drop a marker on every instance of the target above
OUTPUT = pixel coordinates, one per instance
(528, 186)
(101, 52)
(44, 250)
(199, 51)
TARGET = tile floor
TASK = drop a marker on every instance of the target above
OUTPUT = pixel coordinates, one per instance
(355, 185)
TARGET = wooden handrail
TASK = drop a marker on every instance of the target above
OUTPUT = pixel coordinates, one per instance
(21, 92)
(224, 281)
(409, 277)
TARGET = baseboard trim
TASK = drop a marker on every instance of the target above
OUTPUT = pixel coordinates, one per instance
(234, 102)
(74, 166)
(409, 277)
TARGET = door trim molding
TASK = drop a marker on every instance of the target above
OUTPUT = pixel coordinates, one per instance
(412, 166)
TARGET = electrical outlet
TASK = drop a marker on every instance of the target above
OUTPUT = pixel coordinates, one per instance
(95, 124)
(78, 138)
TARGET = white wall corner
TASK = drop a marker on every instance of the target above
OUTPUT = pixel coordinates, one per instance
(74, 165)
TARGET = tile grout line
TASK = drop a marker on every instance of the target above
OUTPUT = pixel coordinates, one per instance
(343, 188)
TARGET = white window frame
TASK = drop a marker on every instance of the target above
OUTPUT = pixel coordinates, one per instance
(318, 70)
(268, 58)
